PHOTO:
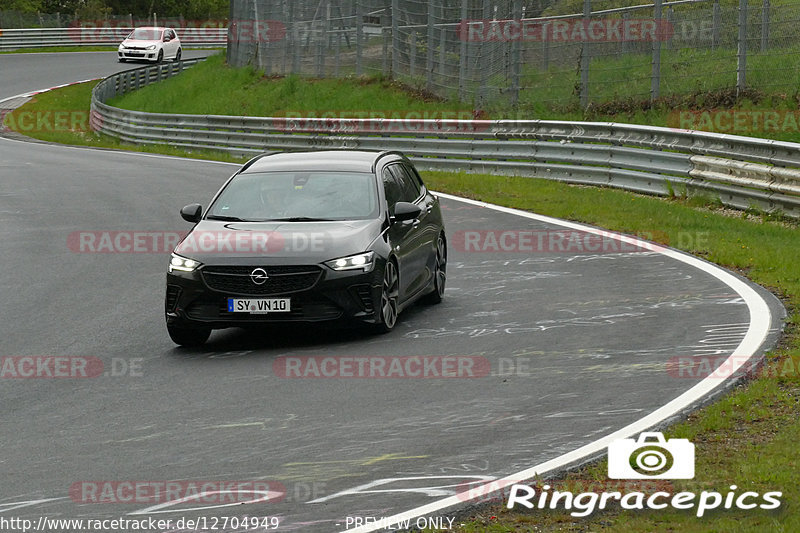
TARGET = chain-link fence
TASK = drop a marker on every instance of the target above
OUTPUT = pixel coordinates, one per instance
(509, 52)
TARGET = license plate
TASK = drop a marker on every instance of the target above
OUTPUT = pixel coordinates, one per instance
(259, 306)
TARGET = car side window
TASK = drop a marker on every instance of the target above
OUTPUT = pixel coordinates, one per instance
(392, 189)
(407, 181)
(416, 178)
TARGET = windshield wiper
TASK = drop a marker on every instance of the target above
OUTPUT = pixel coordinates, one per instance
(300, 219)
(227, 218)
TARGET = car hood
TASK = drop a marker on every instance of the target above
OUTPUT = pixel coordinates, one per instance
(140, 42)
(237, 243)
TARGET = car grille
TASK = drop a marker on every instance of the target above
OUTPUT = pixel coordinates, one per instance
(280, 280)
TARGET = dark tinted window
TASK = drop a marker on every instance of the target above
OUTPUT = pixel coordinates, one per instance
(408, 182)
(280, 195)
(392, 188)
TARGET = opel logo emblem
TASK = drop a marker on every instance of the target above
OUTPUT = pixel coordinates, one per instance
(259, 276)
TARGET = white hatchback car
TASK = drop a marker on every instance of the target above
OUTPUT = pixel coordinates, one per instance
(150, 44)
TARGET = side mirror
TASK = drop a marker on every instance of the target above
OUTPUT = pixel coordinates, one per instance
(406, 211)
(192, 213)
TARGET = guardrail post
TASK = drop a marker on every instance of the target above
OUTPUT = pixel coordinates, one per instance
(442, 45)
(429, 47)
(655, 77)
(359, 37)
(741, 55)
(517, 12)
(337, 53)
(585, 60)
(670, 24)
(322, 38)
(386, 35)
(716, 16)
(462, 60)
(412, 53)
(296, 42)
(395, 38)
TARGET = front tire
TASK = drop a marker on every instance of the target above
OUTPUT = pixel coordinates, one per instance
(390, 293)
(178, 55)
(160, 57)
(121, 59)
(188, 336)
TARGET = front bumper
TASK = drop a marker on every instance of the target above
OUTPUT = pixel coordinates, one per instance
(196, 299)
(142, 55)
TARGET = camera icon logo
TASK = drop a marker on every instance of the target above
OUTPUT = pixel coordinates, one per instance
(651, 457)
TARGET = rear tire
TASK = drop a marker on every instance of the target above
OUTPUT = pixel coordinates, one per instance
(188, 336)
(439, 273)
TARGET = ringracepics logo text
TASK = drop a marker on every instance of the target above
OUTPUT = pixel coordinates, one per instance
(650, 456)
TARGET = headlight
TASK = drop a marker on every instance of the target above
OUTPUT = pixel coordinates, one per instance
(183, 264)
(365, 262)
(151, 47)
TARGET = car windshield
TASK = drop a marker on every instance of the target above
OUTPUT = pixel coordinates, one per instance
(297, 197)
(144, 34)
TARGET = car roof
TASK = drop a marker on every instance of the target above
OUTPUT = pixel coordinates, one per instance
(156, 28)
(335, 160)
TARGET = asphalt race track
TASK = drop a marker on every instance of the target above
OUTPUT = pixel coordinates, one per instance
(565, 346)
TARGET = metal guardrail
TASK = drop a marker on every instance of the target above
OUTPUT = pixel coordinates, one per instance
(11, 39)
(742, 172)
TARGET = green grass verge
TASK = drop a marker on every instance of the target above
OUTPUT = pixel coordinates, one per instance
(244, 91)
